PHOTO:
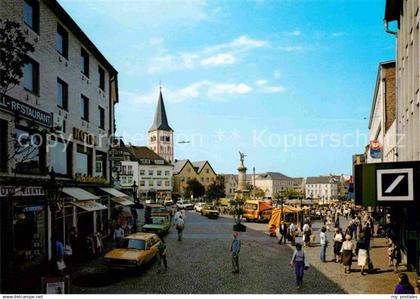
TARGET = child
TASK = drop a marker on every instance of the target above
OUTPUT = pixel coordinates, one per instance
(300, 263)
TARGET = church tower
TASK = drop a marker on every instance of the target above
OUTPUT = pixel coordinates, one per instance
(160, 136)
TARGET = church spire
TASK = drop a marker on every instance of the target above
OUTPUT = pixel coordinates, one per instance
(160, 121)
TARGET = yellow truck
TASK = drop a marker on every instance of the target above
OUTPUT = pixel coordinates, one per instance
(257, 210)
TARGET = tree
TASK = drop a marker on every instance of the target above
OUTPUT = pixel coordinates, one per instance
(13, 50)
(216, 189)
(194, 188)
(258, 192)
(290, 193)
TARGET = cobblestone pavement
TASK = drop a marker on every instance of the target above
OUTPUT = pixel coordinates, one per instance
(201, 264)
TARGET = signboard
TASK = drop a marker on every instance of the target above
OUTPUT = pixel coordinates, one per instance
(375, 149)
(116, 155)
(395, 184)
(387, 183)
(14, 106)
(86, 137)
(21, 191)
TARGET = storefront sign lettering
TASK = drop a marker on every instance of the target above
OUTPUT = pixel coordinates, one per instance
(84, 136)
(14, 106)
(21, 191)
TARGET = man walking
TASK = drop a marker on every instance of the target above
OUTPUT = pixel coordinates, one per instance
(324, 243)
(235, 248)
(179, 224)
(162, 256)
(283, 233)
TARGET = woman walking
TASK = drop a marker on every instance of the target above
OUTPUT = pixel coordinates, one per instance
(300, 263)
(362, 251)
(404, 286)
(338, 242)
(347, 254)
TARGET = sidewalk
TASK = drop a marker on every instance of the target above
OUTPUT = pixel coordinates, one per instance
(383, 281)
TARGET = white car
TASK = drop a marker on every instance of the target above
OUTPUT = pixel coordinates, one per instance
(199, 206)
(184, 205)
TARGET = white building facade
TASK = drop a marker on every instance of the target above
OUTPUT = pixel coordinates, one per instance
(321, 187)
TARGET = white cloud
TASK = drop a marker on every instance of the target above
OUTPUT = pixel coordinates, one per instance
(219, 59)
(273, 89)
(201, 89)
(261, 82)
(277, 74)
(337, 34)
(295, 32)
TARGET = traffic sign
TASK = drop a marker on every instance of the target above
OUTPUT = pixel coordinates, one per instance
(395, 184)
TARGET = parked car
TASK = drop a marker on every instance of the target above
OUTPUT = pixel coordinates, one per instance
(155, 210)
(184, 205)
(159, 225)
(136, 250)
(199, 206)
(210, 212)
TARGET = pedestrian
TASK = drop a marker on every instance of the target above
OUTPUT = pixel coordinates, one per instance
(300, 263)
(395, 255)
(306, 233)
(60, 265)
(404, 286)
(283, 233)
(180, 224)
(362, 251)
(367, 232)
(162, 256)
(118, 235)
(338, 242)
(347, 254)
(177, 215)
(292, 232)
(323, 241)
(235, 248)
(135, 217)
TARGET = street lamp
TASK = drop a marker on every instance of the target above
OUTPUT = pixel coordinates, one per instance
(52, 190)
(134, 188)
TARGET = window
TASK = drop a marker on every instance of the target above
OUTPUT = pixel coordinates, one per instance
(101, 113)
(124, 169)
(142, 172)
(129, 180)
(62, 41)
(130, 169)
(29, 152)
(61, 157)
(84, 62)
(150, 172)
(158, 172)
(31, 14)
(101, 74)
(168, 138)
(62, 94)
(159, 183)
(84, 108)
(167, 184)
(142, 183)
(166, 172)
(100, 164)
(31, 75)
(124, 180)
(83, 160)
(151, 183)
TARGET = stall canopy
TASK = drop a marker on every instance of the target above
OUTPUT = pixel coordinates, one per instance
(84, 199)
(118, 197)
(276, 214)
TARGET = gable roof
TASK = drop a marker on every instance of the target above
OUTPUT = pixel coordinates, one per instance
(143, 152)
(160, 122)
(179, 165)
(318, 180)
(273, 176)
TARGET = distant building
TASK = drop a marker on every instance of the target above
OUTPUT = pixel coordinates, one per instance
(272, 182)
(299, 185)
(321, 187)
(185, 170)
(231, 184)
(160, 135)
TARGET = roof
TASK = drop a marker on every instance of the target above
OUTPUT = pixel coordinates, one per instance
(273, 176)
(67, 20)
(160, 122)
(143, 152)
(179, 165)
(318, 180)
(385, 64)
(392, 10)
(199, 165)
(140, 236)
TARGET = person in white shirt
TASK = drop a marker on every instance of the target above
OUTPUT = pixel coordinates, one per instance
(324, 243)
(306, 234)
(347, 254)
(292, 232)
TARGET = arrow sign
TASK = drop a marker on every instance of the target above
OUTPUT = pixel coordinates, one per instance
(395, 184)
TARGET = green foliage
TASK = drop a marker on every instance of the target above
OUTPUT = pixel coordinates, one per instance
(258, 192)
(195, 188)
(13, 49)
(216, 189)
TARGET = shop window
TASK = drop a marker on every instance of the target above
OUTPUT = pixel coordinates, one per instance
(4, 140)
(29, 233)
(29, 152)
(61, 154)
(100, 164)
(83, 160)
(31, 14)
(31, 75)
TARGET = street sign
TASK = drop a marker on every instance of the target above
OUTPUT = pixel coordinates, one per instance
(395, 184)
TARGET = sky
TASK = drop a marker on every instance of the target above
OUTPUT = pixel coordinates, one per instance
(287, 82)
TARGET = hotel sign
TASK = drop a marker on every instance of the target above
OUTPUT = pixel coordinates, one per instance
(14, 106)
(21, 191)
(86, 137)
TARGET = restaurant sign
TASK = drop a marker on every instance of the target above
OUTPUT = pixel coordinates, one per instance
(14, 106)
(21, 191)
